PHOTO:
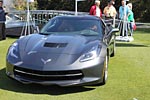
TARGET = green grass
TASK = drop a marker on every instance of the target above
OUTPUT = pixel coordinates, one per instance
(129, 77)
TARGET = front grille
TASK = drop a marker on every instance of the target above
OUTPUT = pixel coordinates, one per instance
(55, 45)
(47, 75)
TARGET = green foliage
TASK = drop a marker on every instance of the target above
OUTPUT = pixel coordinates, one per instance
(141, 8)
(22, 5)
(56, 4)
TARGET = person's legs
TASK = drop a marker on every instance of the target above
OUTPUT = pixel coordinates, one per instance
(131, 28)
(3, 31)
(121, 27)
(1, 34)
(126, 29)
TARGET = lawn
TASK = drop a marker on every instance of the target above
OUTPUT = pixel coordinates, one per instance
(129, 77)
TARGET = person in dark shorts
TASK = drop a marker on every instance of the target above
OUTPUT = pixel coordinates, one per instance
(2, 22)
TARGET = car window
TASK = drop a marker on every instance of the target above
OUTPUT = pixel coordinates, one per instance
(73, 26)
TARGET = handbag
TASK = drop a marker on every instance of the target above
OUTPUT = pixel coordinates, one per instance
(133, 26)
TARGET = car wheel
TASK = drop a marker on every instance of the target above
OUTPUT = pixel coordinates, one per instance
(114, 49)
(105, 70)
(105, 73)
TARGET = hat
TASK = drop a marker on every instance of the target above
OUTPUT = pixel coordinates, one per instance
(111, 1)
(97, 1)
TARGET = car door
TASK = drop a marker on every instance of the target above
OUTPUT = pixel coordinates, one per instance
(109, 37)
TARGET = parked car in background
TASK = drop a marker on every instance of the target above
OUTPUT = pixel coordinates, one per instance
(15, 25)
(68, 51)
(12, 17)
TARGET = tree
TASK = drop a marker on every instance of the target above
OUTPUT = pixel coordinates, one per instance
(19, 4)
(22, 4)
(141, 8)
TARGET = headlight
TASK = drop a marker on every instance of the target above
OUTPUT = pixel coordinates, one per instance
(13, 50)
(91, 54)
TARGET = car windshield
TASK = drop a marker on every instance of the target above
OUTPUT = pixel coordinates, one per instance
(81, 26)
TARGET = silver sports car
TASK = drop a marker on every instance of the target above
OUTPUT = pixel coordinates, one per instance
(68, 51)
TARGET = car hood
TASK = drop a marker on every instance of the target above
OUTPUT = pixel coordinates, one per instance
(42, 51)
(58, 44)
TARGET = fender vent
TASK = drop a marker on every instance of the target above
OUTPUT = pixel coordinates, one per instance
(55, 45)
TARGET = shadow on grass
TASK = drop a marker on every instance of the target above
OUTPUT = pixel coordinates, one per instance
(12, 85)
(130, 45)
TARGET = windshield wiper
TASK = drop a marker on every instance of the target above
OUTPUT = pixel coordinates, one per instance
(44, 33)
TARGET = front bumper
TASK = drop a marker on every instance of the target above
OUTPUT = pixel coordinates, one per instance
(86, 73)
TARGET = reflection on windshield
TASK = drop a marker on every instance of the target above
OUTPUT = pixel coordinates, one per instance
(73, 26)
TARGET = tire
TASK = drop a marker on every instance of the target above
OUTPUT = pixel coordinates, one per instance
(114, 49)
(105, 71)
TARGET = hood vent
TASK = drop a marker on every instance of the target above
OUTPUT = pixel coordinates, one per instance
(55, 45)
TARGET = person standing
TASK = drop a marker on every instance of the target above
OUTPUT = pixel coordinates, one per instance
(110, 11)
(95, 9)
(130, 19)
(2, 22)
(123, 13)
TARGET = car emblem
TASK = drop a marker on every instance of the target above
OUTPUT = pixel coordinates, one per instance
(46, 61)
